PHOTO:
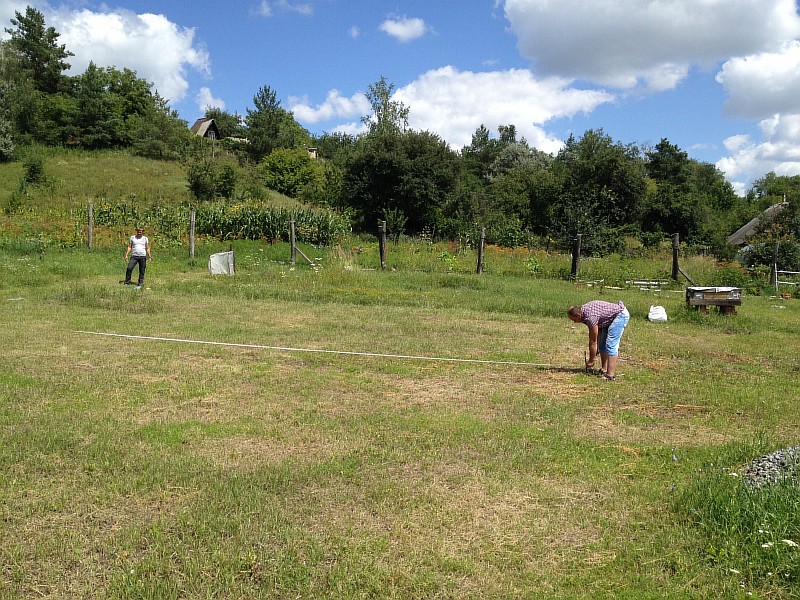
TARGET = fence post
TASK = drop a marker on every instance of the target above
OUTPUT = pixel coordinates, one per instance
(480, 250)
(382, 242)
(576, 255)
(191, 234)
(676, 244)
(292, 240)
(773, 276)
(91, 225)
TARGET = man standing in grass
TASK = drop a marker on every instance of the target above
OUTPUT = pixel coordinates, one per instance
(606, 322)
(139, 252)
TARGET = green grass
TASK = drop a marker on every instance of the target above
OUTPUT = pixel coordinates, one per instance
(152, 469)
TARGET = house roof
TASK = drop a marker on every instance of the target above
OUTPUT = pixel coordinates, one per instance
(202, 127)
(739, 237)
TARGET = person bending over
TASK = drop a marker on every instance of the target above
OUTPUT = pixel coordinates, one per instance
(606, 322)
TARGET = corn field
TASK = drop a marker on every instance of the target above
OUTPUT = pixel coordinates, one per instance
(237, 221)
(321, 228)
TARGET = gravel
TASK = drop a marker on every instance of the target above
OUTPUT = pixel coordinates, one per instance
(778, 466)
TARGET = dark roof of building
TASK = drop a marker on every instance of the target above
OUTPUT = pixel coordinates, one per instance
(202, 127)
(739, 237)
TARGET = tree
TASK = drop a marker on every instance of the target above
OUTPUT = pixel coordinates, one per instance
(6, 140)
(159, 133)
(209, 179)
(668, 163)
(603, 178)
(263, 122)
(335, 147)
(413, 173)
(97, 124)
(288, 171)
(481, 154)
(271, 127)
(39, 49)
(388, 116)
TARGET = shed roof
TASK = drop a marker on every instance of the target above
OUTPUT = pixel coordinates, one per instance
(739, 237)
(203, 127)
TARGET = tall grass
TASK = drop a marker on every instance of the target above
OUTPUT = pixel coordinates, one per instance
(752, 533)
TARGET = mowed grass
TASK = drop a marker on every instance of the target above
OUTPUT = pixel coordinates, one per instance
(143, 468)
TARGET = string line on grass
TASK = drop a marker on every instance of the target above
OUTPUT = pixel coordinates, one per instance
(341, 352)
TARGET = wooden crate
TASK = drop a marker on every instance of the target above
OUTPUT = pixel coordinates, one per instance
(726, 298)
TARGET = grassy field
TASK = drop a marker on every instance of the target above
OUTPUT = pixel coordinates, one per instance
(142, 468)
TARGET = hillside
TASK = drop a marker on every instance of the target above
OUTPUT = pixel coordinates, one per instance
(120, 186)
(81, 176)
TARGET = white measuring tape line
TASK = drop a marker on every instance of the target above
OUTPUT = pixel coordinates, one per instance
(286, 349)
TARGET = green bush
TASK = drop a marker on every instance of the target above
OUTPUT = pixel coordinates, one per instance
(33, 166)
(288, 171)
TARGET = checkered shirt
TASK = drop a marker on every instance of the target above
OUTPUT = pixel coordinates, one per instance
(600, 313)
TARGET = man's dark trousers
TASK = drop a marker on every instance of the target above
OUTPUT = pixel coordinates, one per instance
(142, 262)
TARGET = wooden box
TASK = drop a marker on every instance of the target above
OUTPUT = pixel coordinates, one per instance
(726, 298)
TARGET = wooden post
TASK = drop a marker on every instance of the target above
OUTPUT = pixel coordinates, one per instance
(191, 234)
(576, 255)
(676, 244)
(773, 276)
(382, 242)
(480, 250)
(293, 240)
(91, 225)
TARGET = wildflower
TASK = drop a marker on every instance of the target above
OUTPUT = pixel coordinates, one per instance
(791, 543)
(767, 545)
(736, 571)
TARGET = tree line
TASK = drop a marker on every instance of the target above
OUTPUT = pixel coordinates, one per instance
(603, 189)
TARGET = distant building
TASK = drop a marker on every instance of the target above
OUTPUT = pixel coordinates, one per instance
(206, 128)
(312, 152)
(739, 237)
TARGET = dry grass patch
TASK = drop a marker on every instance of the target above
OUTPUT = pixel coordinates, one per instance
(651, 425)
(497, 533)
(251, 454)
(73, 551)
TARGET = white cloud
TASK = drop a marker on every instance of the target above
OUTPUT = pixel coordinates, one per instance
(778, 151)
(157, 49)
(404, 29)
(7, 10)
(354, 32)
(352, 128)
(635, 43)
(267, 7)
(763, 84)
(335, 106)
(453, 103)
(205, 99)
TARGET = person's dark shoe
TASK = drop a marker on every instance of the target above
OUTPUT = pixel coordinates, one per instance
(607, 377)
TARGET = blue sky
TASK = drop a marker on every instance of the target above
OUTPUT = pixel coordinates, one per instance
(719, 78)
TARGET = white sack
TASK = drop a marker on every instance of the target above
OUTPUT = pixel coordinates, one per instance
(221, 263)
(657, 314)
